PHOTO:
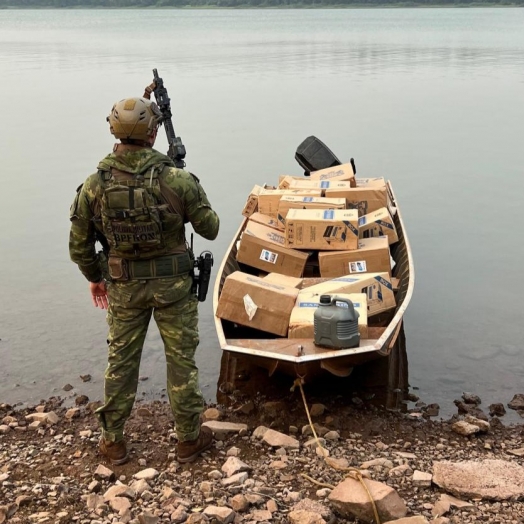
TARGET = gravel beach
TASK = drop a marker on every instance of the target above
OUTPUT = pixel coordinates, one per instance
(265, 465)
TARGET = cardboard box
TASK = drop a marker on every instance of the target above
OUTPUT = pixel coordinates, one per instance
(254, 302)
(283, 180)
(341, 173)
(370, 194)
(270, 256)
(371, 256)
(265, 220)
(376, 286)
(376, 224)
(268, 199)
(288, 202)
(264, 232)
(330, 229)
(291, 183)
(251, 205)
(301, 322)
(283, 280)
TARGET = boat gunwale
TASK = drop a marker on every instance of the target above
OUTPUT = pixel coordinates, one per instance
(386, 339)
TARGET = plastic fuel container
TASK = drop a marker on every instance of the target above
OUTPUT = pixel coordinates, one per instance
(336, 323)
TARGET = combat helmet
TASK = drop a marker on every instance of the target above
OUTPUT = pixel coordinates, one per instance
(134, 119)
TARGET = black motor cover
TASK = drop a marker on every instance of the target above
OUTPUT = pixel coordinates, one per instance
(312, 154)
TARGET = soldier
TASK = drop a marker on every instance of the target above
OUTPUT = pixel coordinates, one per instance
(140, 202)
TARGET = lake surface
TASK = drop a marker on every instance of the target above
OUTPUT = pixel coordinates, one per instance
(432, 99)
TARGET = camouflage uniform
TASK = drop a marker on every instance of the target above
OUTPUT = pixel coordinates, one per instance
(132, 302)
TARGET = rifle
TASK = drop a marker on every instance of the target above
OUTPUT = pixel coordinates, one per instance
(177, 150)
(177, 153)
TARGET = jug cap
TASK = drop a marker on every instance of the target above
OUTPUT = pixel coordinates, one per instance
(325, 299)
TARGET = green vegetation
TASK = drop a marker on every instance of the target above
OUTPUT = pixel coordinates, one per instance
(250, 3)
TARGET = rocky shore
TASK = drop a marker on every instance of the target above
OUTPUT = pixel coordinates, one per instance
(266, 466)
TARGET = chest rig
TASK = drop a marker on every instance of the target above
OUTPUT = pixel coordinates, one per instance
(134, 220)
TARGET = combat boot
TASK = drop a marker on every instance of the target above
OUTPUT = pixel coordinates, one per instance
(115, 452)
(189, 450)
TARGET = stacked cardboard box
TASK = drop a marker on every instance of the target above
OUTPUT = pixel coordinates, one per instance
(301, 322)
(263, 247)
(300, 202)
(377, 224)
(339, 226)
(331, 229)
(376, 286)
(372, 255)
(269, 199)
(255, 302)
(370, 194)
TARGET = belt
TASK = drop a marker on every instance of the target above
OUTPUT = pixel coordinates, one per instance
(160, 267)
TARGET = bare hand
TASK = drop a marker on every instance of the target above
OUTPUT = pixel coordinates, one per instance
(99, 294)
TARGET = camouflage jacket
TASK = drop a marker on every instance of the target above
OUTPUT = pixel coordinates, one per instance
(179, 190)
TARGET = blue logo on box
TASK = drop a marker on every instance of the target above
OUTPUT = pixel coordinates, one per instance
(361, 221)
(329, 214)
(307, 199)
(324, 184)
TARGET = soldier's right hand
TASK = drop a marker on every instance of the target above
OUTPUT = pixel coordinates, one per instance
(98, 294)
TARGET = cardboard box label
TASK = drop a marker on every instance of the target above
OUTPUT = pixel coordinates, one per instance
(268, 256)
(358, 266)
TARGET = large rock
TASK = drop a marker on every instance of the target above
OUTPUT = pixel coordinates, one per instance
(221, 514)
(146, 474)
(517, 402)
(224, 427)
(483, 425)
(120, 490)
(350, 499)
(234, 465)
(465, 428)
(280, 440)
(486, 479)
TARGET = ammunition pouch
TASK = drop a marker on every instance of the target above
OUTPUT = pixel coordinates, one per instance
(160, 267)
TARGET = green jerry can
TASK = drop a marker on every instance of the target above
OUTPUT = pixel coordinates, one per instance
(336, 323)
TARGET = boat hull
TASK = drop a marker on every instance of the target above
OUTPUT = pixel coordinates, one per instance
(300, 357)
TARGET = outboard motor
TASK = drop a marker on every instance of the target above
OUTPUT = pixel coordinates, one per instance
(312, 154)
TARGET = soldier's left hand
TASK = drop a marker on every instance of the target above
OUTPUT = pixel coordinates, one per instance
(98, 294)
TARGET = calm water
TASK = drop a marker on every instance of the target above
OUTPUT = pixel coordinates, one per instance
(432, 99)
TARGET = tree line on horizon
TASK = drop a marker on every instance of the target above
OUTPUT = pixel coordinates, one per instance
(243, 3)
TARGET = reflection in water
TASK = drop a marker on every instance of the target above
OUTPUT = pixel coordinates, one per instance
(383, 382)
(286, 57)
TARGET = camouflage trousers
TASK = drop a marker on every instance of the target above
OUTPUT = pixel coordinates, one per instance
(175, 311)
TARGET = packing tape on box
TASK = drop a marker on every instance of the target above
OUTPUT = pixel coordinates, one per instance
(250, 307)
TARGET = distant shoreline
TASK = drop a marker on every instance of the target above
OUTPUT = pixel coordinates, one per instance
(400, 5)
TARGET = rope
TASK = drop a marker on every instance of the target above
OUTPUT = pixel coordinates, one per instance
(354, 473)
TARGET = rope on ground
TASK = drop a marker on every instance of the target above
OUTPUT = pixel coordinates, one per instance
(354, 473)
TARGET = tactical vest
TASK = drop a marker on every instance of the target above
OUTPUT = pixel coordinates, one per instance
(134, 221)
